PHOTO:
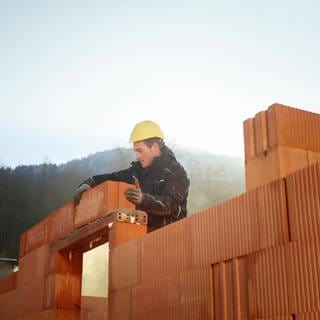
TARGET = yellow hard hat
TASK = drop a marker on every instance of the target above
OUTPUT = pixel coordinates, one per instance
(145, 130)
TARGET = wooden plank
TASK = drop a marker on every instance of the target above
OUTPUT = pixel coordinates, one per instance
(96, 232)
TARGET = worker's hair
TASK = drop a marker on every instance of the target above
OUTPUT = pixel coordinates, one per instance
(149, 142)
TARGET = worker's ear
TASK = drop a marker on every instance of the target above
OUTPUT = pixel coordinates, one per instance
(156, 149)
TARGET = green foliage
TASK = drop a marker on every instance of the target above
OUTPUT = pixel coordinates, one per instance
(29, 194)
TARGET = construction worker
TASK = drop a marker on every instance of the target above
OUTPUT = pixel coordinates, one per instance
(162, 182)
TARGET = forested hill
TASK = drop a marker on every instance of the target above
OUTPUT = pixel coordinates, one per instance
(30, 193)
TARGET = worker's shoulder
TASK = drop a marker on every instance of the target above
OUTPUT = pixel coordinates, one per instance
(175, 167)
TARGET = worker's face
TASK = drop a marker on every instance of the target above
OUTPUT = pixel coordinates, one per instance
(144, 154)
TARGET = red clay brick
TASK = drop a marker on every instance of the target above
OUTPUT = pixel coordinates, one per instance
(54, 314)
(61, 262)
(187, 295)
(112, 195)
(308, 316)
(272, 214)
(10, 304)
(292, 159)
(94, 315)
(249, 139)
(43, 315)
(260, 131)
(272, 125)
(94, 303)
(120, 305)
(100, 200)
(230, 289)
(32, 297)
(238, 226)
(205, 244)
(222, 305)
(293, 127)
(37, 236)
(121, 232)
(61, 221)
(64, 314)
(261, 169)
(94, 202)
(8, 282)
(196, 294)
(277, 162)
(313, 157)
(165, 251)
(33, 265)
(4, 306)
(63, 290)
(240, 271)
(122, 200)
(125, 265)
(160, 297)
(305, 276)
(47, 230)
(268, 282)
(303, 189)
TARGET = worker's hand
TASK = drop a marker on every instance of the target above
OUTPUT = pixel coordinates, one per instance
(81, 189)
(134, 195)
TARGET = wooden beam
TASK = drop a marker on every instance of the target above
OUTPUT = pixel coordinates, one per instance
(96, 232)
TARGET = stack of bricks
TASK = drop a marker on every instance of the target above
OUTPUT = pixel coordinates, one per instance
(278, 141)
(48, 283)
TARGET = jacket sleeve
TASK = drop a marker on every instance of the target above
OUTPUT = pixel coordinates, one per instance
(121, 176)
(173, 193)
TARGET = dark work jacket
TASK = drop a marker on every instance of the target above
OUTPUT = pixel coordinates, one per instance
(164, 184)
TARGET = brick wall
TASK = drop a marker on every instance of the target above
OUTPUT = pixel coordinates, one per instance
(48, 283)
(255, 256)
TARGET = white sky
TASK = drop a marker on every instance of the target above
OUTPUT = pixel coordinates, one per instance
(77, 75)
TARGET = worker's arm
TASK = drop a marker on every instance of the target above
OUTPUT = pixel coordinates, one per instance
(169, 202)
(123, 176)
(173, 190)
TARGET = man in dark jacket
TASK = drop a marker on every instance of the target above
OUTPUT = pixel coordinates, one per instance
(162, 182)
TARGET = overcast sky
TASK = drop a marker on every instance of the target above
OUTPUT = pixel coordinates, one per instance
(77, 75)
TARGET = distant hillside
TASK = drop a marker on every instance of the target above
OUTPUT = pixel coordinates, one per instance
(28, 194)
